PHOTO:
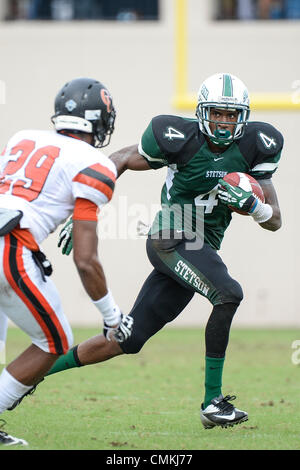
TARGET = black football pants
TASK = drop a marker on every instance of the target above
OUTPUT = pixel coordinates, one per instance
(179, 273)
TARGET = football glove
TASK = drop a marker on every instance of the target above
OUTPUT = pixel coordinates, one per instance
(235, 196)
(121, 332)
(65, 240)
(142, 228)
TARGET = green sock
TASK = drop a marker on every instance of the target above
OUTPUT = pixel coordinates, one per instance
(67, 361)
(213, 378)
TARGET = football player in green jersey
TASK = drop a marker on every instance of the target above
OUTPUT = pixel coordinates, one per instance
(186, 234)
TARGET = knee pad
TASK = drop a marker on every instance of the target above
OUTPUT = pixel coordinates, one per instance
(233, 292)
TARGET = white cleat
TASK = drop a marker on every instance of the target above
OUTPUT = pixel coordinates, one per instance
(7, 440)
(222, 413)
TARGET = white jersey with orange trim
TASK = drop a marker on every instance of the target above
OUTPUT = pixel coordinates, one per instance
(42, 173)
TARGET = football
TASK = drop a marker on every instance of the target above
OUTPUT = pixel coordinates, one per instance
(246, 182)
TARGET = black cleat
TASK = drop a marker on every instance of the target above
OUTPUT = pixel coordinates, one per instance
(222, 413)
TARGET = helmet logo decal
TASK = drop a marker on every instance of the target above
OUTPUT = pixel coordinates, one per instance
(106, 98)
(204, 92)
(70, 105)
(245, 96)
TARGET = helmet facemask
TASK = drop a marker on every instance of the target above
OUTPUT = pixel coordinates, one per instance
(102, 131)
(222, 136)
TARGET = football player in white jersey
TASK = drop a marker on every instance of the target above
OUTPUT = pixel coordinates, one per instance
(46, 176)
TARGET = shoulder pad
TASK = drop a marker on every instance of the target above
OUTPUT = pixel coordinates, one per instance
(261, 146)
(96, 182)
(264, 138)
(177, 137)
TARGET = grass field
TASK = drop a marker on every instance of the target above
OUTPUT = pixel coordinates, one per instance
(151, 400)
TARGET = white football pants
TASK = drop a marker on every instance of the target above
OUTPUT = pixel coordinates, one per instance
(31, 303)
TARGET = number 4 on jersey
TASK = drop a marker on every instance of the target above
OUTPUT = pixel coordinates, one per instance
(210, 202)
(267, 141)
(173, 133)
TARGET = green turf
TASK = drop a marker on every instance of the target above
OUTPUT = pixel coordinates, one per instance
(151, 400)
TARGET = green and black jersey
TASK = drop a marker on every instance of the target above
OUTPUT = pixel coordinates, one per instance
(189, 195)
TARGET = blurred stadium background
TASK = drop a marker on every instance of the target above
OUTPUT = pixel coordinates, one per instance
(152, 55)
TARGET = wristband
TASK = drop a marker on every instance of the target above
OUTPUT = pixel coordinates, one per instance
(261, 212)
(109, 309)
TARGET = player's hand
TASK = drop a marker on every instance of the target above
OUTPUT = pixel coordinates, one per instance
(122, 331)
(65, 240)
(235, 196)
(142, 228)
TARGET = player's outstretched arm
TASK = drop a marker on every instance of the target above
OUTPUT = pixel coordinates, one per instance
(85, 255)
(128, 158)
(275, 222)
